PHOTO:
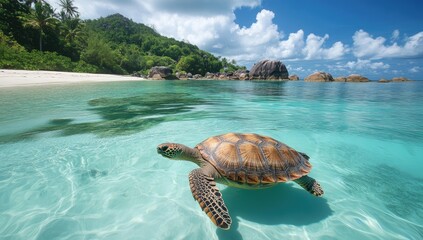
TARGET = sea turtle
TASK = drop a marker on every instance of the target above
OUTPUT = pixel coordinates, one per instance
(248, 161)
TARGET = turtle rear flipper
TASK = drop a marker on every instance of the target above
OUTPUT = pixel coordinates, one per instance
(204, 190)
(310, 184)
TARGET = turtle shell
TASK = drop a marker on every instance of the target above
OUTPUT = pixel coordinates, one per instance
(253, 159)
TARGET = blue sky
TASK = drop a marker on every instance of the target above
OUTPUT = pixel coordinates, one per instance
(393, 20)
(340, 18)
(375, 38)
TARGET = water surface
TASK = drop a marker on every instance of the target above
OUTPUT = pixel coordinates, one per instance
(79, 161)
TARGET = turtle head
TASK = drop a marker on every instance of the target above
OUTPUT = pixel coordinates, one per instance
(178, 151)
(170, 150)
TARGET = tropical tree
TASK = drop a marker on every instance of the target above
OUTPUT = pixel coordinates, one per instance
(72, 29)
(10, 24)
(40, 18)
(174, 51)
(100, 53)
(69, 11)
(191, 64)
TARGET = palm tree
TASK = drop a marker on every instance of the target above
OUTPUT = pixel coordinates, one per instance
(71, 29)
(40, 18)
(69, 9)
(71, 23)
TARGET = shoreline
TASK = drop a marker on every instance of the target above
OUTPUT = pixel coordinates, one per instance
(25, 78)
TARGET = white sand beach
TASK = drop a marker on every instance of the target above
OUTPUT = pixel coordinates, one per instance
(15, 78)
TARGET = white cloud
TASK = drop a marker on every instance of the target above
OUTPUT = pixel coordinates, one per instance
(395, 35)
(365, 46)
(295, 47)
(314, 48)
(366, 64)
(298, 69)
(201, 31)
(415, 69)
(290, 48)
(263, 27)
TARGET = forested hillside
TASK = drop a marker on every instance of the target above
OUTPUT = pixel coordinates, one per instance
(33, 36)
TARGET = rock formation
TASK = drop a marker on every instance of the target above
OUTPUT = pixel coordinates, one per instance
(160, 72)
(294, 78)
(269, 70)
(243, 76)
(319, 77)
(340, 79)
(240, 75)
(223, 76)
(181, 75)
(384, 80)
(209, 75)
(400, 79)
(357, 78)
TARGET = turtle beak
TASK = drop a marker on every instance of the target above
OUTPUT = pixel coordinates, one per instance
(161, 149)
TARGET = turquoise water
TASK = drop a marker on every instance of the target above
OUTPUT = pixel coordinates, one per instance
(80, 161)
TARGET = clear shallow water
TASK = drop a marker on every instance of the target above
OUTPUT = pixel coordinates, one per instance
(80, 161)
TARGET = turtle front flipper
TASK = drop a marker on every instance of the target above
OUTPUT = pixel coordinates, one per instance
(205, 191)
(310, 184)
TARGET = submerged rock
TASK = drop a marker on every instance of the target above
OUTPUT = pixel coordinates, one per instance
(269, 70)
(357, 78)
(319, 77)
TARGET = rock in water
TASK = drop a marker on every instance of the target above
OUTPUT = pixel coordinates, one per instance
(340, 79)
(357, 78)
(319, 77)
(161, 72)
(269, 70)
(384, 80)
(400, 79)
(294, 77)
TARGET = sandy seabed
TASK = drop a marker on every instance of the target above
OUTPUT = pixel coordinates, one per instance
(15, 78)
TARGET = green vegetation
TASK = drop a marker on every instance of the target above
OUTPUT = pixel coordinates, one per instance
(35, 37)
